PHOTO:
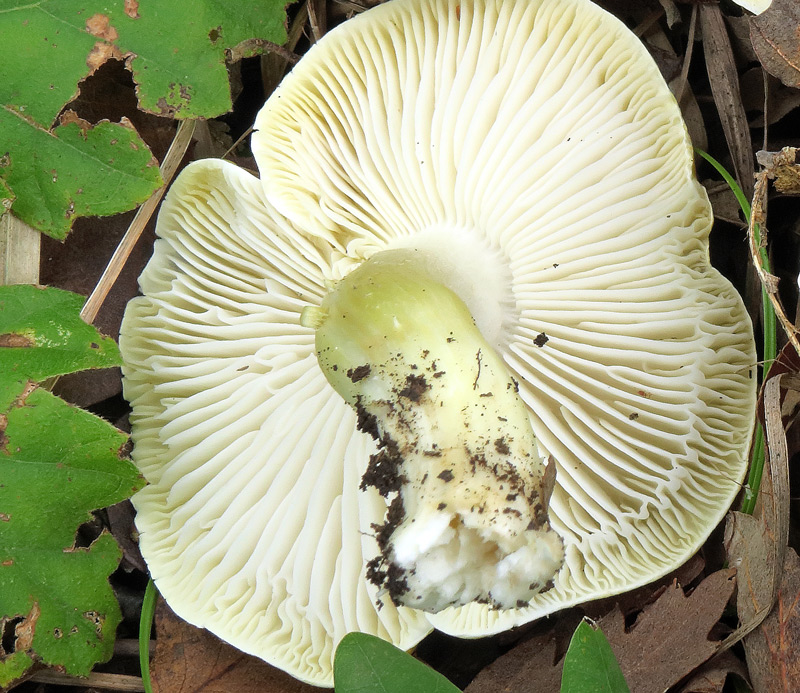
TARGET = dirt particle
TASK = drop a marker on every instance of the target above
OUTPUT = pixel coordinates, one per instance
(359, 372)
(441, 506)
(376, 572)
(633, 416)
(383, 472)
(394, 516)
(446, 475)
(416, 386)
(501, 446)
(396, 582)
(541, 339)
(366, 422)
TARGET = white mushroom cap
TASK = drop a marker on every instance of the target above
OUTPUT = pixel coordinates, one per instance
(754, 6)
(527, 153)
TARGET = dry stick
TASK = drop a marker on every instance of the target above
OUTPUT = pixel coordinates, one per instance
(687, 58)
(317, 11)
(768, 281)
(168, 168)
(106, 682)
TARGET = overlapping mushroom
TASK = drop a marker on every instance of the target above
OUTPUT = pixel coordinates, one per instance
(525, 155)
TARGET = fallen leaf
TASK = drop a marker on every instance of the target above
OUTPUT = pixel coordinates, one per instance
(781, 167)
(724, 81)
(776, 40)
(711, 677)
(191, 660)
(533, 665)
(773, 649)
(670, 638)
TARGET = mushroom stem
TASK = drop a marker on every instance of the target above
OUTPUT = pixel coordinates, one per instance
(458, 462)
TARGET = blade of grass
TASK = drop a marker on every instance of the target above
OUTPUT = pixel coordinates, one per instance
(145, 628)
(769, 328)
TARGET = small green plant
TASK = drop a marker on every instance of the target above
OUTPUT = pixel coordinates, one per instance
(366, 664)
(590, 665)
(769, 327)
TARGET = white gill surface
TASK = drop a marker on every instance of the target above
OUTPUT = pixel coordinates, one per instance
(543, 131)
(540, 133)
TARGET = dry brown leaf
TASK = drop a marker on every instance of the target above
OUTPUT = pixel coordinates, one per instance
(725, 89)
(533, 665)
(711, 677)
(776, 38)
(773, 649)
(670, 638)
(668, 641)
(530, 666)
(782, 169)
(191, 660)
(756, 545)
(782, 100)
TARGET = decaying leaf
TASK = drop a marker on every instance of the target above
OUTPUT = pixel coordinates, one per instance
(769, 573)
(724, 81)
(533, 665)
(782, 168)
(776, 38)
(711, 677)
(671, 637)
(668, 641)
(773, 649)
(189, 659)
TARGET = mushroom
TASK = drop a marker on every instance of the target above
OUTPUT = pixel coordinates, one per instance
(755, 6)
(523, 161)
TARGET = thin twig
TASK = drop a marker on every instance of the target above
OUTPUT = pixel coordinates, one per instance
(168, 168)
(687, 58)
(768, 281)
(106, 682)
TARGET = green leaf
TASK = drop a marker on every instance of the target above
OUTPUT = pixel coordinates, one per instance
(42, 335)
(74, 171)
(366, 664)
(57, 464)
(590, 665)
(178, 53)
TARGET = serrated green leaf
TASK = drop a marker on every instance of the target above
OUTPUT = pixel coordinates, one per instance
(590, 665)
(178, 52)
(57, 464)
(42, 335)
(74, 172)
(366, 664)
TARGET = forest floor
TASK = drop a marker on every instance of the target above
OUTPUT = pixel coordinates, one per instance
(674, 635)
